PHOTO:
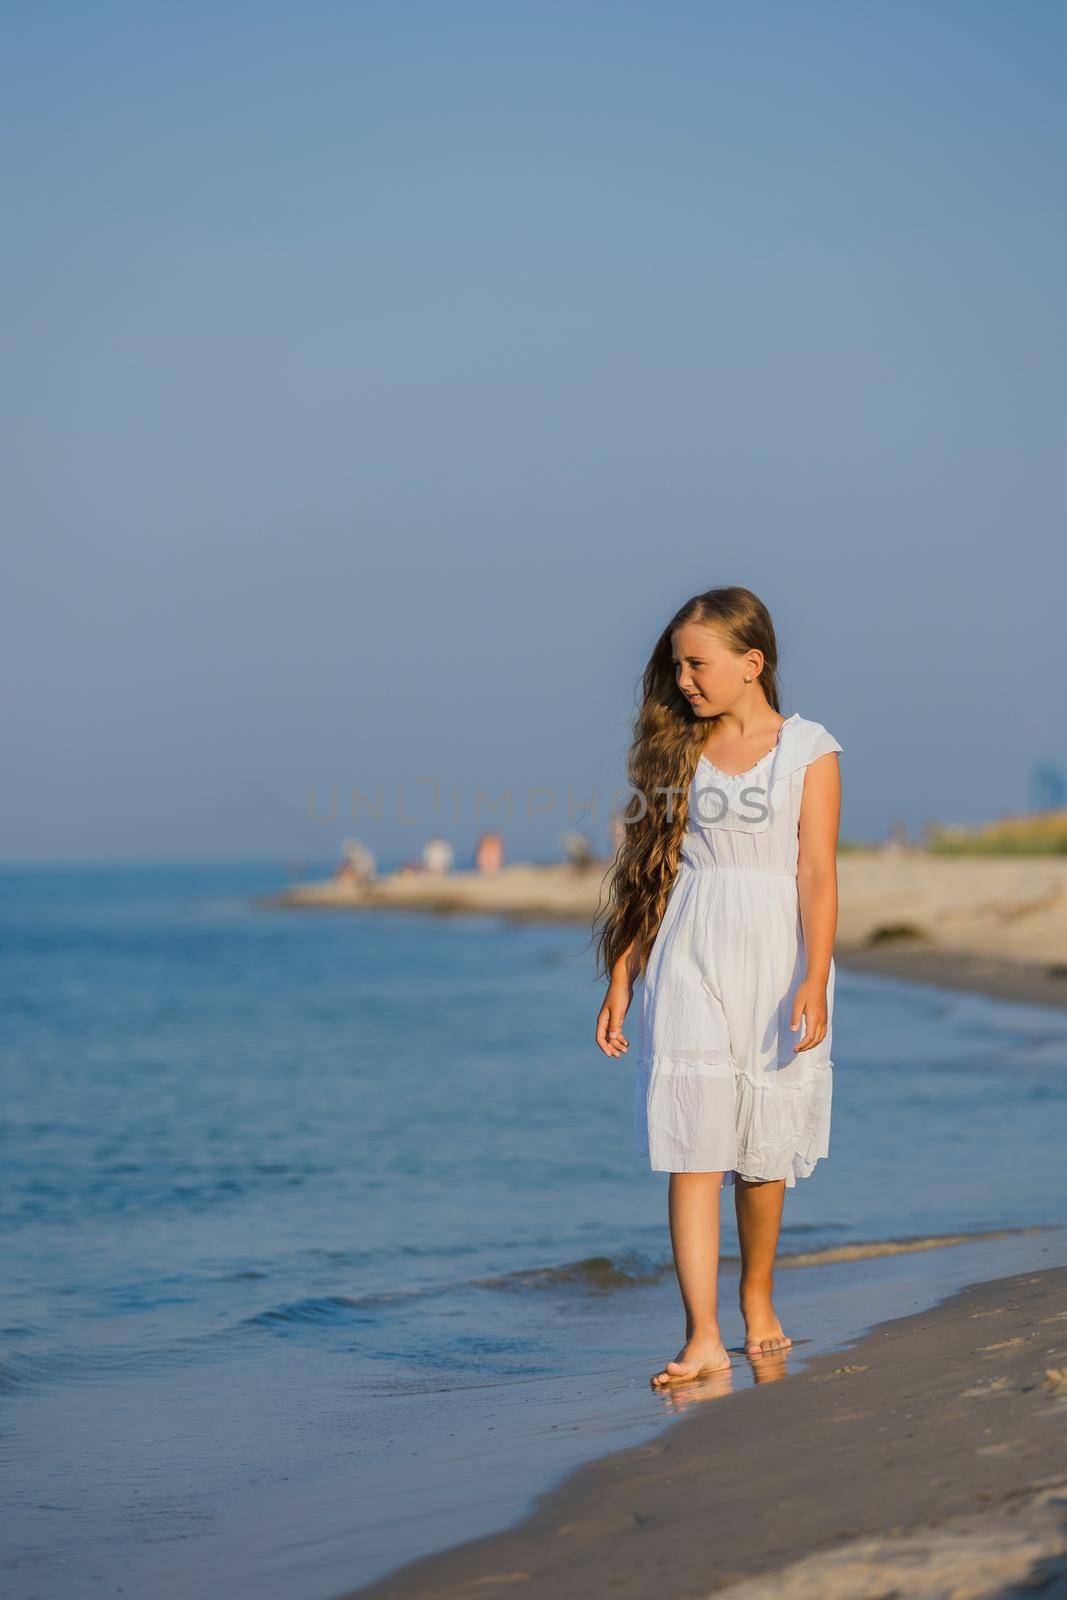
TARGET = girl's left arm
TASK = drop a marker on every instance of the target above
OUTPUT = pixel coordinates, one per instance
(820, 819)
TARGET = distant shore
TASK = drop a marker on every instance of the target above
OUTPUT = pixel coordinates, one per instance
(990, 924)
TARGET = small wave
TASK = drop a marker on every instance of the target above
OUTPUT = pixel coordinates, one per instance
(325, 1309)
(865, 1251)
(606, 1273)
(593, 1273)
(596, 1273)
(24, 1369)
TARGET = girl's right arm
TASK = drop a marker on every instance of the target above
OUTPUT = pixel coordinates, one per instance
(624, 974)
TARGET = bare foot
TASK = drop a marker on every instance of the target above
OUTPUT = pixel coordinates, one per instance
(763, 1331)
(697, 1355)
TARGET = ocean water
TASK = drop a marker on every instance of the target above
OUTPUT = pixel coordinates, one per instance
(326, 1243)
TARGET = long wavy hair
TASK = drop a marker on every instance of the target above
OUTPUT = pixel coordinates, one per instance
(667, 742)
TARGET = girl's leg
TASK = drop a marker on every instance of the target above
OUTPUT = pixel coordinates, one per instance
(693, 1206)
(759, 1219)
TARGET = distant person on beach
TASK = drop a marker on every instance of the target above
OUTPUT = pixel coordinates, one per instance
(579, 850)
(489, 854)
(724, 903)
(437, 855)
(359, 864)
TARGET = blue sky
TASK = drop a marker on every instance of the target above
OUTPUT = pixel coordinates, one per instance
(380, 378)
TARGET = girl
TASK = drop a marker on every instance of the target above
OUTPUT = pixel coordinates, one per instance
(723, 897)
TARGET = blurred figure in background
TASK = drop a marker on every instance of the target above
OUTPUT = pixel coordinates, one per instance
(437, 855)
(578, 848)
(359, 864)
(489, 853)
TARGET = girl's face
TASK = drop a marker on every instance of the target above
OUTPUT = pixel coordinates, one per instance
(709, 675)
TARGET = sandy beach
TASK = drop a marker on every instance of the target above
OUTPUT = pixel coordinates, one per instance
(926, 1460)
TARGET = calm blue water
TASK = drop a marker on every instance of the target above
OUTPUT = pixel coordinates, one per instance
(307, 1214)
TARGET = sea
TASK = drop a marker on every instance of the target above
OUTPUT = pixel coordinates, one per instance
(327, 1246)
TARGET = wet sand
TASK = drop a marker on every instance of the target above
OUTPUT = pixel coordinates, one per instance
(928, 1458)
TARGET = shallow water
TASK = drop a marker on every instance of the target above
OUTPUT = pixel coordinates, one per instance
(326, 1238)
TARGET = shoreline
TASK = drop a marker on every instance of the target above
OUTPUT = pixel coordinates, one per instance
(938, 1440)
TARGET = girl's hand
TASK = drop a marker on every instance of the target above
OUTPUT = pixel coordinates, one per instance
(609, 1034)
(810, 1003)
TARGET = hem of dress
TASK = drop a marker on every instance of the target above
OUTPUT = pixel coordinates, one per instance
(812, 1141)
(799, 1169)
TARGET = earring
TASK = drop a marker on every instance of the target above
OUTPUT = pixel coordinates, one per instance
(748, 680)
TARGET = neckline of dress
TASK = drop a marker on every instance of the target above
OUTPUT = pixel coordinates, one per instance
(758, 764)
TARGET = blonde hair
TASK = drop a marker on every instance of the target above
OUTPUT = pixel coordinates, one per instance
(667, 743)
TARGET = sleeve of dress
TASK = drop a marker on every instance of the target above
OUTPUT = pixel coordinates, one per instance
(807, 741)
(822, 742)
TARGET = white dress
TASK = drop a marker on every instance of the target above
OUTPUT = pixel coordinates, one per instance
(719, 1087)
